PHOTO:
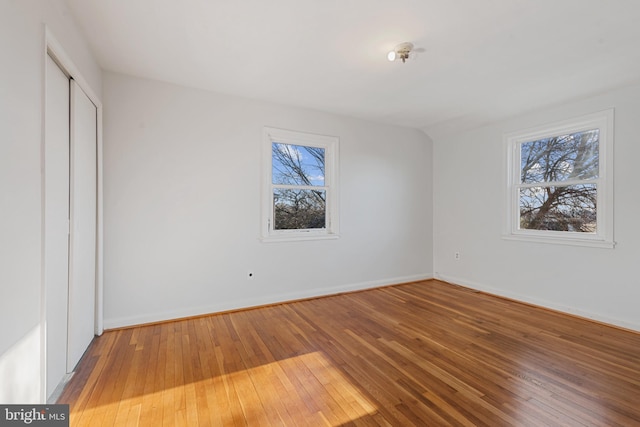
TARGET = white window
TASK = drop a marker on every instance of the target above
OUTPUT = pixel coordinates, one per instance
(300, 194)
(560, 183)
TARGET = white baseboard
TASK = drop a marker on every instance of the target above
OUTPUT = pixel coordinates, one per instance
(539, 302)
(122, 322)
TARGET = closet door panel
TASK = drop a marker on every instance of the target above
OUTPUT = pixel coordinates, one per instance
(56, 222)
(82, 283)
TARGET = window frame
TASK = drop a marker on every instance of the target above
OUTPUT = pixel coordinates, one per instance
(330, 144)
(603, 237)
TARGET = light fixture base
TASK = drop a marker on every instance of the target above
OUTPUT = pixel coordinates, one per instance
(401, 51)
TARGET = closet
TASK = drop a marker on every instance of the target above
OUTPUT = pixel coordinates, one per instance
(70, 223)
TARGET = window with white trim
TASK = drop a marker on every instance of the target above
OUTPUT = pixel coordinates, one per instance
(560, 183)
(300, 194)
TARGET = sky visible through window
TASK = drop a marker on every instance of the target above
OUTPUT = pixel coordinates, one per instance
(297, 165)
(561, 158)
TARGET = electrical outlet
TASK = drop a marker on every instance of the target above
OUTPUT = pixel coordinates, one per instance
(456, 256)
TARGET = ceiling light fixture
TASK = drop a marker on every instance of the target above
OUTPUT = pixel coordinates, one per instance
(401, 51)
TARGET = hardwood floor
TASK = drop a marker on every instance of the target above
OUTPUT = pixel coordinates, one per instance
(426, 353)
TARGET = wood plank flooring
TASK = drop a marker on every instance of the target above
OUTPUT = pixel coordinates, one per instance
(425, 353)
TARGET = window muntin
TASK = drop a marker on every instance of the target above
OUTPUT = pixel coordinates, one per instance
(560, 188)
(300, 194)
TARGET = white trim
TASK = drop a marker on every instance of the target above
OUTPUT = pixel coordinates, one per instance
(331, 145)
(258, 302)
(43, 287)
(560, 240)
(603, 238)
(538, 302)
(296, 236)
(64, 60)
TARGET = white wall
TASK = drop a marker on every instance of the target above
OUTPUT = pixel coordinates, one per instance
(469, 178)
(182, 205)
(21, 104)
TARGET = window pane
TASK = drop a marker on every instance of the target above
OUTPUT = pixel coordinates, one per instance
(559, 208)
(299, 209)
(560, 158)
(297, 164)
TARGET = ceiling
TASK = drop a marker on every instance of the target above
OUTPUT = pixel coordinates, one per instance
(481, 61)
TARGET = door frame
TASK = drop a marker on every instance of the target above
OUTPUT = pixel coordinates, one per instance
(53, 48)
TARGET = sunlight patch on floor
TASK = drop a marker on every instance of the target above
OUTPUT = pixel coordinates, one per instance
(305, 388)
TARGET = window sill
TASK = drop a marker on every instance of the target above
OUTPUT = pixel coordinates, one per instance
(561, 241)
(298, 238)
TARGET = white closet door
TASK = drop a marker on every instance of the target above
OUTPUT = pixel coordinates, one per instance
(56, 222)
(82, 282)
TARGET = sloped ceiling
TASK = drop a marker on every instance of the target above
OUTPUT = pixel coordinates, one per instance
(481, 61)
